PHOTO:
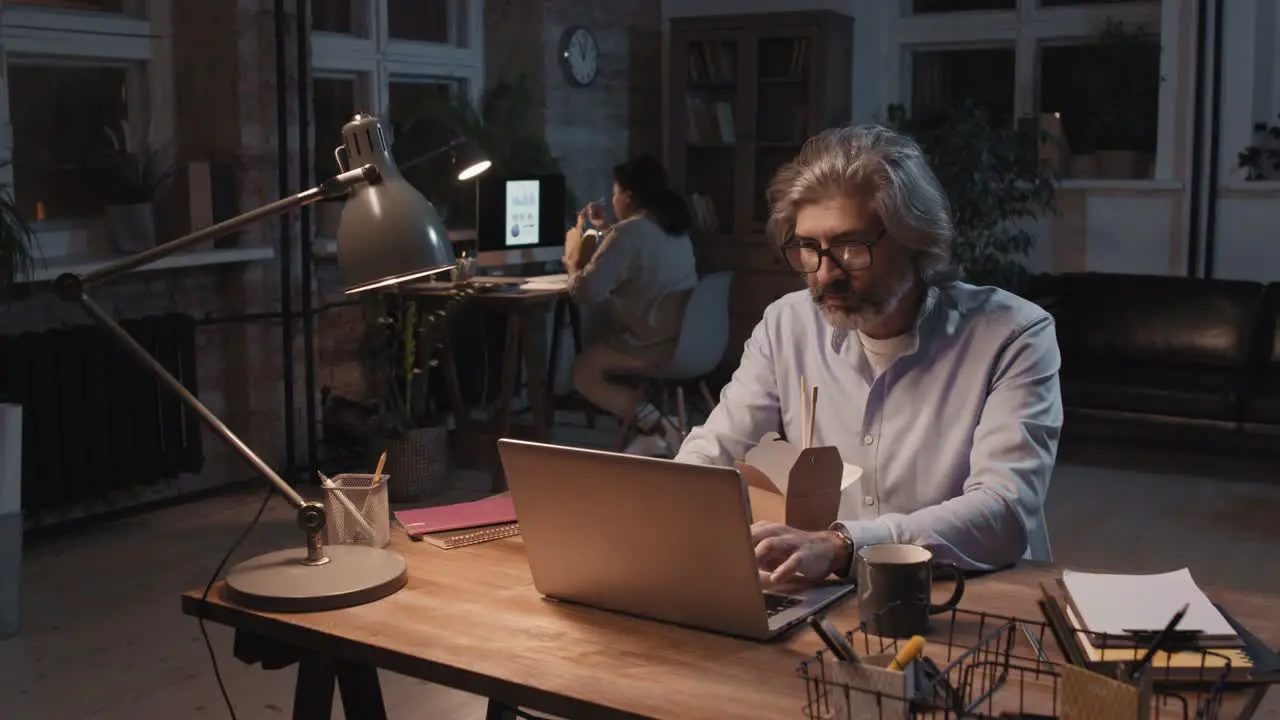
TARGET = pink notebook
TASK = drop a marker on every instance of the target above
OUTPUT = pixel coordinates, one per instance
(495, 510)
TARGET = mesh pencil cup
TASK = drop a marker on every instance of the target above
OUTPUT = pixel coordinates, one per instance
(357, 509)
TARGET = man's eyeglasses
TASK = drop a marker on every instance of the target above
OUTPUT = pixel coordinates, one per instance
(805, 256)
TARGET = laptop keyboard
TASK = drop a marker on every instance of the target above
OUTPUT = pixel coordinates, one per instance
(775, 603)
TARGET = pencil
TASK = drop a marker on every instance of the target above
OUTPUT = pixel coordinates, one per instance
(382, 461)
(804, 411)
(813, 407)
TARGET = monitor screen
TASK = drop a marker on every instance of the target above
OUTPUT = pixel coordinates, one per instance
(516, 213)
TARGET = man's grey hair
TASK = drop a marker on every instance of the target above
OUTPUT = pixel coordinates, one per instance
(906, 194)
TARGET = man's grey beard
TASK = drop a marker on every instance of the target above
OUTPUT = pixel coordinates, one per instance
(868, 307)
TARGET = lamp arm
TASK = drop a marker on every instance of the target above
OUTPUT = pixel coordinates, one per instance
(70, 287)
(438, 151)
(334, 187)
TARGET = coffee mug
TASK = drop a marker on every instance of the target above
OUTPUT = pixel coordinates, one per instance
(895, 583)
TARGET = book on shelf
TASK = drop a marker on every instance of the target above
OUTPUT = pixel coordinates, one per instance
(704, 213)
(709, 121)
(712, 63)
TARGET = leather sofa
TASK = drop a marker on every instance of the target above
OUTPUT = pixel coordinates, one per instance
(1176, 352)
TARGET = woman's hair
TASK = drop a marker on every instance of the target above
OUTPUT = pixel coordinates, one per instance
(644, 177)
(907, 196)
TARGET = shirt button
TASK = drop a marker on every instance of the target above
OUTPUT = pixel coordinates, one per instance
(868, 500)
(867, 439)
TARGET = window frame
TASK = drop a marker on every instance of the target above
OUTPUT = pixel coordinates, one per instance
(38, 35)
(1024, 29)
(374, 54)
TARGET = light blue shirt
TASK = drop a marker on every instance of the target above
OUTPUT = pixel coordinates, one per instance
(956, 438)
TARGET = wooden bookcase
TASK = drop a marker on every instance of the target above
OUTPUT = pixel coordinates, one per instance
(743, 94)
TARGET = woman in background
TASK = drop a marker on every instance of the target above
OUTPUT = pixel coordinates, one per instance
(643, 271)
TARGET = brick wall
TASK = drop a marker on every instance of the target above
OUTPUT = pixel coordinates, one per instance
(224, 112)
(589, 129)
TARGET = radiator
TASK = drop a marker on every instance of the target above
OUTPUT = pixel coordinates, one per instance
(95, 422)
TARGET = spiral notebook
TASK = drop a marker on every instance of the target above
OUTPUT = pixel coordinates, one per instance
(451, 526)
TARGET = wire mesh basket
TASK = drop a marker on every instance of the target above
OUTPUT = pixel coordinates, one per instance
(357, 510)
(982, 665)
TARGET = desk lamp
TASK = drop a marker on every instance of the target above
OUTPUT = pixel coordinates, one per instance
(388, 234)
(469, 159)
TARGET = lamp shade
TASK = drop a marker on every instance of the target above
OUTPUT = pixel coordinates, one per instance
(469, 159)
(389, 233)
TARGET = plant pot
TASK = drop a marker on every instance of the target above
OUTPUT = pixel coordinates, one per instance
(418, 463)
(1082, 166)
(1121, 164)
(132, 228)
(10, 517)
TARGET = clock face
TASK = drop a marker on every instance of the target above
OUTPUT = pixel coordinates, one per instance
(579, 55)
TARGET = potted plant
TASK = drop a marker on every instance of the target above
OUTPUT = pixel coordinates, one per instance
(402, 336)
(994, 182)
(1261, 160)
(137, 174)
(500, 126)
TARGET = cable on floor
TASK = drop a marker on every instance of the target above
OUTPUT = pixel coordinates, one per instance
(213, 658)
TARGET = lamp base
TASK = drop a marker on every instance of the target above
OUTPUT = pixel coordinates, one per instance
(281, 581)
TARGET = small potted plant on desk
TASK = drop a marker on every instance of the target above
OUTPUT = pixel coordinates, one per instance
(135, 177)
(402, 335)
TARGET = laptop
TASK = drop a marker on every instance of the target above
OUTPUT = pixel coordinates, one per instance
(649, 537)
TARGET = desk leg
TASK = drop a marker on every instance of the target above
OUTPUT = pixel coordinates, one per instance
(313, 694)
(510, 351)
(449, 361)
(1254, 702)
(498, 711)
(553, 357)
(531, 344)
(357, 684)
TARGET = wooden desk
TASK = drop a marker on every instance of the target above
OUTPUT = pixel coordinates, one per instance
(470, 619)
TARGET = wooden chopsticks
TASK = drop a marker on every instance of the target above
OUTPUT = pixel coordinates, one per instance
(808, 396)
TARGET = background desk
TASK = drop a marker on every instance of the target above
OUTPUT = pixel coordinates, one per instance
(524, 339)
(470, 619)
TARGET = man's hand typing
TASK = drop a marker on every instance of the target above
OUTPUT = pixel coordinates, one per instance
(785, 552)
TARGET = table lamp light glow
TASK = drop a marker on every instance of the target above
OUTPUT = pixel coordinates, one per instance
(388, 234)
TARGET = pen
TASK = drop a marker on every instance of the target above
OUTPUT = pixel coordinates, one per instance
(909, 652)
(835, 642)
(1035, 644)
(1137, 669)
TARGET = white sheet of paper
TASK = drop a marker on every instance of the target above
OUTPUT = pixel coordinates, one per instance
(1112, 604)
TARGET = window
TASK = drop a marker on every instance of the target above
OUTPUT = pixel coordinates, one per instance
(941, 79)
(335, 16)
(334, 102)
(920, 7)
(420, 20)
(1087, 72)
(413, 47)
(79, 76)
(61, 118)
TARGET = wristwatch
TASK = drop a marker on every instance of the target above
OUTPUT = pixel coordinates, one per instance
(849, 547)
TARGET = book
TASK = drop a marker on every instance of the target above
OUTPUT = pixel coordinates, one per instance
(495, 510)
(1195, 666)
(1117, 605)
(451, 539)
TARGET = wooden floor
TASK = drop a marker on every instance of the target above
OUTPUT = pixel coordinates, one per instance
(103, 636)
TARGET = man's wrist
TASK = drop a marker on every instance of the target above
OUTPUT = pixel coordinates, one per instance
(842, 561)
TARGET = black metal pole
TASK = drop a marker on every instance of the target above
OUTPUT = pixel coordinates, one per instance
(305, 143)
(1215, 142)
(286, 236)
(1195, 197)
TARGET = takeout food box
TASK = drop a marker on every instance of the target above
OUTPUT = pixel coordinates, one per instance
(803, 488)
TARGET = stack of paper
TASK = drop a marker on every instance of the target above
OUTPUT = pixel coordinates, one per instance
(1120, 604)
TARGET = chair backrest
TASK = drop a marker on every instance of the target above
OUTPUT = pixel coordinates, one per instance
(704, 335)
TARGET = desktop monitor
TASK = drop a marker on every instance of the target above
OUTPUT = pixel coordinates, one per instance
(520, 218)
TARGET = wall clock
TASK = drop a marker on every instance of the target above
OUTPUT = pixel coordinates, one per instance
(579, 56)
